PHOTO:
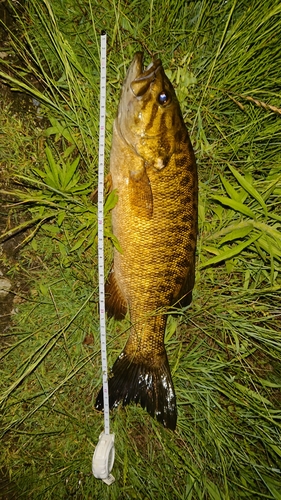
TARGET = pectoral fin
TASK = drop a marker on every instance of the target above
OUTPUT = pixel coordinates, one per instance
(107, 187)
(141, 197)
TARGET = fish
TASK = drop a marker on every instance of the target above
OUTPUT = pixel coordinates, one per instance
(153, 170)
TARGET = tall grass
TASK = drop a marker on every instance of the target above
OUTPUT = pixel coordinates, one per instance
(223, 59)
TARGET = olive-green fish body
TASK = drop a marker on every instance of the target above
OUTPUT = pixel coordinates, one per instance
(153, 168)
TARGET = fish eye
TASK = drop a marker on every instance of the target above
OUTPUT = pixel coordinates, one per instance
(163, 98)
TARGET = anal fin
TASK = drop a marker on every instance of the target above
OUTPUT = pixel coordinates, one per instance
(115, 303)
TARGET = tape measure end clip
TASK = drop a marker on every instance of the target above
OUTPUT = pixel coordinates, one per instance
(103, 458)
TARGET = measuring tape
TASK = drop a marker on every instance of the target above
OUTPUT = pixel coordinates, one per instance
(103, 457)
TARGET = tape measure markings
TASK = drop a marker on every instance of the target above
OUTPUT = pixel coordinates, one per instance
(101, 232)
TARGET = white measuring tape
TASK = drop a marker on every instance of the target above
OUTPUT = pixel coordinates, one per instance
(103, 458)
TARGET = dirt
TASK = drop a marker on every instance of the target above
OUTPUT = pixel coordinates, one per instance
(10, 287)
(16, 102)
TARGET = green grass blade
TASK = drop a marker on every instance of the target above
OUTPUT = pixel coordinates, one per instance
(235, 205)
(249, 188)
(230, 253)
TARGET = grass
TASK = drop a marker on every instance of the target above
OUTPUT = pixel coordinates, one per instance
(223, 58)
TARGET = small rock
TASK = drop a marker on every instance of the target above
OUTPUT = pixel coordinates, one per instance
(5, 286)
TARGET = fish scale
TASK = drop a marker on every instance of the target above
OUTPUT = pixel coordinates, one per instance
(153, 169)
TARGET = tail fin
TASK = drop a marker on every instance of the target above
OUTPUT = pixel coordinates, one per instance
(140, 383)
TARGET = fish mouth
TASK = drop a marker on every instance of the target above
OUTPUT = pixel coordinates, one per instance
(140, 78)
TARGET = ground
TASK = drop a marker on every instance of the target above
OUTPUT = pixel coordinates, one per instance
(18, 105)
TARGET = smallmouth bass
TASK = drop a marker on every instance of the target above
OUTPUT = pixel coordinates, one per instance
(153, 169)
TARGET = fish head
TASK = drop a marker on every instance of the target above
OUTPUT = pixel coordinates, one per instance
(149, 114)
